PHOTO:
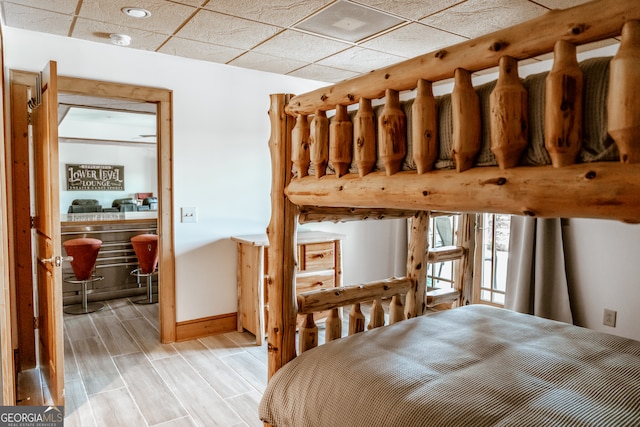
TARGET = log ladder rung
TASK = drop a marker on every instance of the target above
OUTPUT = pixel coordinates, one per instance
(441, 296)
(445, 253)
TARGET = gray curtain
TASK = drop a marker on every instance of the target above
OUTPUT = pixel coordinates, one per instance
(536, 275)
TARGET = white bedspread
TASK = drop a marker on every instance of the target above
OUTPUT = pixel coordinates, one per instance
(471, 366)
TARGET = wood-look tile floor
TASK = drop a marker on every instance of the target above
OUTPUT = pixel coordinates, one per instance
(117, 373)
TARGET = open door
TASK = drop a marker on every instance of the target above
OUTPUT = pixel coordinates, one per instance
(47, 232)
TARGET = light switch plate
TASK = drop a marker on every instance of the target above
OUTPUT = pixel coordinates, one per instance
(189, 214)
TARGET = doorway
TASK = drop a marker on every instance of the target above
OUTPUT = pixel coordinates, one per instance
(21, 85)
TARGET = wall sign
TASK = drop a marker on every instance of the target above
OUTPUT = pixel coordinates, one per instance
(95, 177)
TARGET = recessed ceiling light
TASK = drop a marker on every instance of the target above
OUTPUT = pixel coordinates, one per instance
(136, 12)
(120, 39)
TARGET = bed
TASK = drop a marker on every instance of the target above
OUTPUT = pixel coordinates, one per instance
(558, 144)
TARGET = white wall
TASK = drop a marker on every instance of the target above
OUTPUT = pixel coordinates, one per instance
(221, 158)
(603, 268)
(140, 170)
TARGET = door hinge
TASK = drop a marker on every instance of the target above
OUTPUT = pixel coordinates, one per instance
(36, 323)
(32, 221)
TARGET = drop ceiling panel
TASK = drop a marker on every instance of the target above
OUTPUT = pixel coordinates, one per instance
(271, 64)
(29, 19)
(412, 40)
(321, 73)
(63, 6)
(304, 47)
(474, 18)
(166, 17)
(200, 50)
(99, 32)
(360, 60)
(283, 13)
(226, 30)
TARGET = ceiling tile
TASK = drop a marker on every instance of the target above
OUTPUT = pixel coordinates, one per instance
(323, 74)
(226, 30)
(271, 64)
(284, 13)
(193, 3)
(474, 18)
(561, 4)
(63, 6)
(36, 19)
(411, 9)
(360, 60)
(199, 50)
(99, 32)
(412, 40)
(304, 47)
(166, 17)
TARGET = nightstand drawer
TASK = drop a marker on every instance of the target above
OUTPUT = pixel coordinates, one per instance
(316, 256)
(311, 282)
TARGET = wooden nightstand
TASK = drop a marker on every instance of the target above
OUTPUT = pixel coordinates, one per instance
(319, 266)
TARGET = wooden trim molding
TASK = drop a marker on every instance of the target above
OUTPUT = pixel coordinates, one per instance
(203, 327)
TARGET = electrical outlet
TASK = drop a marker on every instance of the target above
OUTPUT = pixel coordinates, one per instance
(189, 214)
(609, 318)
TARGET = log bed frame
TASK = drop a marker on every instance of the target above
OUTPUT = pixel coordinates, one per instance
(591, 190)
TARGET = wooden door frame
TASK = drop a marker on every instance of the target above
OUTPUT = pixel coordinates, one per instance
(19, 190)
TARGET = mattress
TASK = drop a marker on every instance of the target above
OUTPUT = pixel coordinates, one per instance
(470, 366)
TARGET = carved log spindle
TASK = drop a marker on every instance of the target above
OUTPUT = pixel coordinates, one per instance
(396, 309)
(392, 136)
(333, 326)
(308, 331)
(356, 319)
(563, 106)
(319, 143)
(623, 105)
(364, 137)
(300, 146)
(424, 112)
(415, 302)
(509, 115)
(376, 317)
(465, 108)
(340, 141)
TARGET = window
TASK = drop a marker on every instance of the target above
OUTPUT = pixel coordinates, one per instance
(443, 230)
(492, 248)
(491, 253)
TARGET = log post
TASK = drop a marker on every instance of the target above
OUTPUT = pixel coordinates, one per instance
(308, 338)
(364, 137)
(319, 143)
(417, 264)
(392, 137)
(465, 108)
(282, 242)
(509, 115)
(340, 141)
(623, 104)
(356, 319)
(424, 112)
(563, 106)
(333, 326)
(376, 317)
(300, 146)
(396, 309)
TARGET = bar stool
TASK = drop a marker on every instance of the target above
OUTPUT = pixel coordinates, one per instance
(146, 249)
(84, 252)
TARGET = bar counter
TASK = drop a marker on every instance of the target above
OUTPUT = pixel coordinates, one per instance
(116, 258)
